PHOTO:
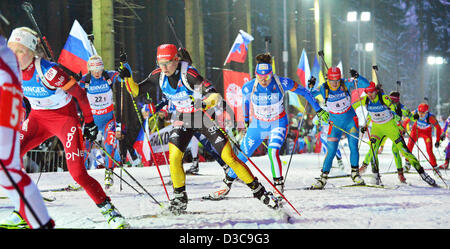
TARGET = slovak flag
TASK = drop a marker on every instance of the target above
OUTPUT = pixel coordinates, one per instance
(77, 50)
(303, 71)
(238, 52)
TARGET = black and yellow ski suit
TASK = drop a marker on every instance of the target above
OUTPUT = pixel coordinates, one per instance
(188, 91)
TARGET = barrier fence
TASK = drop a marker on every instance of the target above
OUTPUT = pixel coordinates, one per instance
(44, 161)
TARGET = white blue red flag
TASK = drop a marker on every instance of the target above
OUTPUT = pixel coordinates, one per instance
(303, 71)
(77, 50)
(238, 52)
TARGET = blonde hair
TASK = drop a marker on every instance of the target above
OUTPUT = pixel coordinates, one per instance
(39, 51)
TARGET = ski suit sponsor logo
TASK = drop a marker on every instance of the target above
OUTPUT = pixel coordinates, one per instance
(70, 136)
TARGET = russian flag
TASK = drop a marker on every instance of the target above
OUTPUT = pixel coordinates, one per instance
(238, 52)
(303, 71)
(77, 50)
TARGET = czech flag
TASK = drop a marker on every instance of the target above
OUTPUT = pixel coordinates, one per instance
(238, 52)
(141, 145)
(303, 70)
(77, 50)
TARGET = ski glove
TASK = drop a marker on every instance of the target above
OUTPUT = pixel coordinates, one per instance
(311, 82)
(124, 72)
(363, 129)
(323, 115)
(438, 142)
(90, 131)
(354, 73)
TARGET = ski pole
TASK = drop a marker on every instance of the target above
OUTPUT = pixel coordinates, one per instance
(126, 182)
(148, 139)
(21, 195)
(295, 142)
(437, 172)
(254, 165)
(121, 166)
(346, 132)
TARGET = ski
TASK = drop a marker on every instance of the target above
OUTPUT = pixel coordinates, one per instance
(70, 187)
(286, 215)
(336, 176)
(370, 186)
(48, 199)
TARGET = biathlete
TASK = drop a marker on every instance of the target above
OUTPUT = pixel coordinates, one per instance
(400, 111)
(422, 128)
(342, 116)
(446, 132)
(191, 94)
(98, 84)
(10, 121)
(384, 124)
(265, 94)
(50, 92)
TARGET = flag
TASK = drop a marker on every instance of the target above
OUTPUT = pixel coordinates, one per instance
(357, 94)
(294, 100)
(238, 52)
(303, 71)
(340, 68)
(77, 50)
(141, 145)
(317, 73)
(232, 85)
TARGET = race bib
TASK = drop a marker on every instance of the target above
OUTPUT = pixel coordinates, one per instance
(11, 106)
(339, 106)
(381, 117)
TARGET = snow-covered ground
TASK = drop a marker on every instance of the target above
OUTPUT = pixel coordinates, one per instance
(409, 206)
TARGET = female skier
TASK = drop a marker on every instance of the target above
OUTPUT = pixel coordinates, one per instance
(342, 116)
(401, 111)
(265, 94)
(98, 84)
(53, 113)
(10, 160)
(384, 124)
(191, 94)
(423, 127)
(445, 132)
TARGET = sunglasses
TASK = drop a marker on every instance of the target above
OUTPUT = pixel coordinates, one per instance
(264, 77)
(164, 64)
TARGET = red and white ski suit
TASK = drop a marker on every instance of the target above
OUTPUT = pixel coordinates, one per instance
(53, 113)
(10, 121)
(423, 128)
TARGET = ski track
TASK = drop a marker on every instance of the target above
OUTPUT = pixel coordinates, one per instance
(410, 206)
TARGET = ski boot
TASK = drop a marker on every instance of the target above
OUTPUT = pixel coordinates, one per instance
(401, 176)
(445, 165)
(407, 166)
(260, 193)
(112, 215)
(363, 168)
(178, 204)
(108, 178)
(279, 184)
(427, 178)
(14, 221)
(377, 179)
(356, 178)
(320, 184)
(223, 191)
(194, 168)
